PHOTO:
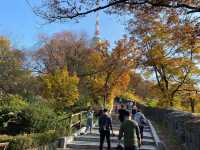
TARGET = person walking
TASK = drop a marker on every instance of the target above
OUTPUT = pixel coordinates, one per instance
(141, 120)
(134, 111)
(105, 125)
(129, 129)
(116, 108)
(90, 116)
(100, 112)
(121, 113)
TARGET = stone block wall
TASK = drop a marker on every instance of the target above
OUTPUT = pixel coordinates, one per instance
(185, 125)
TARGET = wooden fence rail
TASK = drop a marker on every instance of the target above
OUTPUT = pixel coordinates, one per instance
(69, 121)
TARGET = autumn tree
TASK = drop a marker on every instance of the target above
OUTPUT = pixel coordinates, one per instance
(142, 87)
(102, 74)
(60, 89)
(12, 72)
(190, 97)
(64, 49)
(113, 73)
(170, 47)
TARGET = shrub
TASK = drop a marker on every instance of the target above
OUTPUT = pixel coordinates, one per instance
(27, 141)
(44, 138)
(130, 95)
(38, 117)
(5, 138)
(11, 105)
(21, 142)
(152, 103)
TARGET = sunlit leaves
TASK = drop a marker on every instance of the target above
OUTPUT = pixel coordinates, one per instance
(61, 88)
(12, 72)
(170, 48)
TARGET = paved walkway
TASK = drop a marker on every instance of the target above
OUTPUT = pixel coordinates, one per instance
(91, 141)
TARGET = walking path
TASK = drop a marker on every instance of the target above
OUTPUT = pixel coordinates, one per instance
(91, 141)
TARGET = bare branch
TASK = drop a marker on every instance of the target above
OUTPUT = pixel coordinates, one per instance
(55, 10)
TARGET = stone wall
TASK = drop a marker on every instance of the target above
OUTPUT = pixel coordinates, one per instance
(185, 125)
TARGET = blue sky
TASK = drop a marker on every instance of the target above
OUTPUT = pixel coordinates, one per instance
(18, 22)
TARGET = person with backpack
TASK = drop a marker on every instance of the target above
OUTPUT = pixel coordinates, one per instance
(121, 112)
(105, 125)
(100, 112)
(89, 125)
(129, 129)
(134, 111)
(141, 120)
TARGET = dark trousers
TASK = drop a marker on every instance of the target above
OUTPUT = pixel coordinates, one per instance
(103, 134)
(131, 148)
(141, 131)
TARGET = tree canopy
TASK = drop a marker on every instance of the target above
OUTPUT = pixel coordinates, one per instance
(58, 10)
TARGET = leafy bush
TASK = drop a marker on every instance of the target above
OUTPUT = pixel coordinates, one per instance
(35, 118)
(11, 105)
(5, 138)
(42, 117)
(16, 117)
(21, 142)
(27, 141)
(152, 103)
(130, 95)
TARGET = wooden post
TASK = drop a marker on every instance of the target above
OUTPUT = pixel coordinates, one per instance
(70, 124)
(80, 117)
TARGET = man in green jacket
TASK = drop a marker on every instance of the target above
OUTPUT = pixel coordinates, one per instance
(131, 132)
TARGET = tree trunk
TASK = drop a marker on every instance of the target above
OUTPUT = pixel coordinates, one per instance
(192, 105)
(171, 102)
(104, 101)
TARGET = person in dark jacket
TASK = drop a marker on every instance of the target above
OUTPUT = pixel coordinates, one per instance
(105, 125)
(100, 112)
(122, 112)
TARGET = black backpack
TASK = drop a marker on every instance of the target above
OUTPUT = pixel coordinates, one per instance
(142, 121)
(104, 123)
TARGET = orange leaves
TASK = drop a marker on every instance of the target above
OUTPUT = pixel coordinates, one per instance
(170, 49)
(173, 19)
(187, 28)
(4, 43)
(123, 80)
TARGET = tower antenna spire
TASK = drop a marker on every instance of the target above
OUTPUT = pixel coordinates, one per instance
(97, 27)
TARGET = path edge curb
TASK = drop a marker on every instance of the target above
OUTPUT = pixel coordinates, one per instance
(159, 144)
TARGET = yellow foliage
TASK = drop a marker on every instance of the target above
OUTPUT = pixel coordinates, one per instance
(197, 50)
(61, 87)
(130, 95)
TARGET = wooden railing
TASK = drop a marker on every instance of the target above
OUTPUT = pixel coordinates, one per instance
(81, 117)
(69, 121)
(73, 120)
